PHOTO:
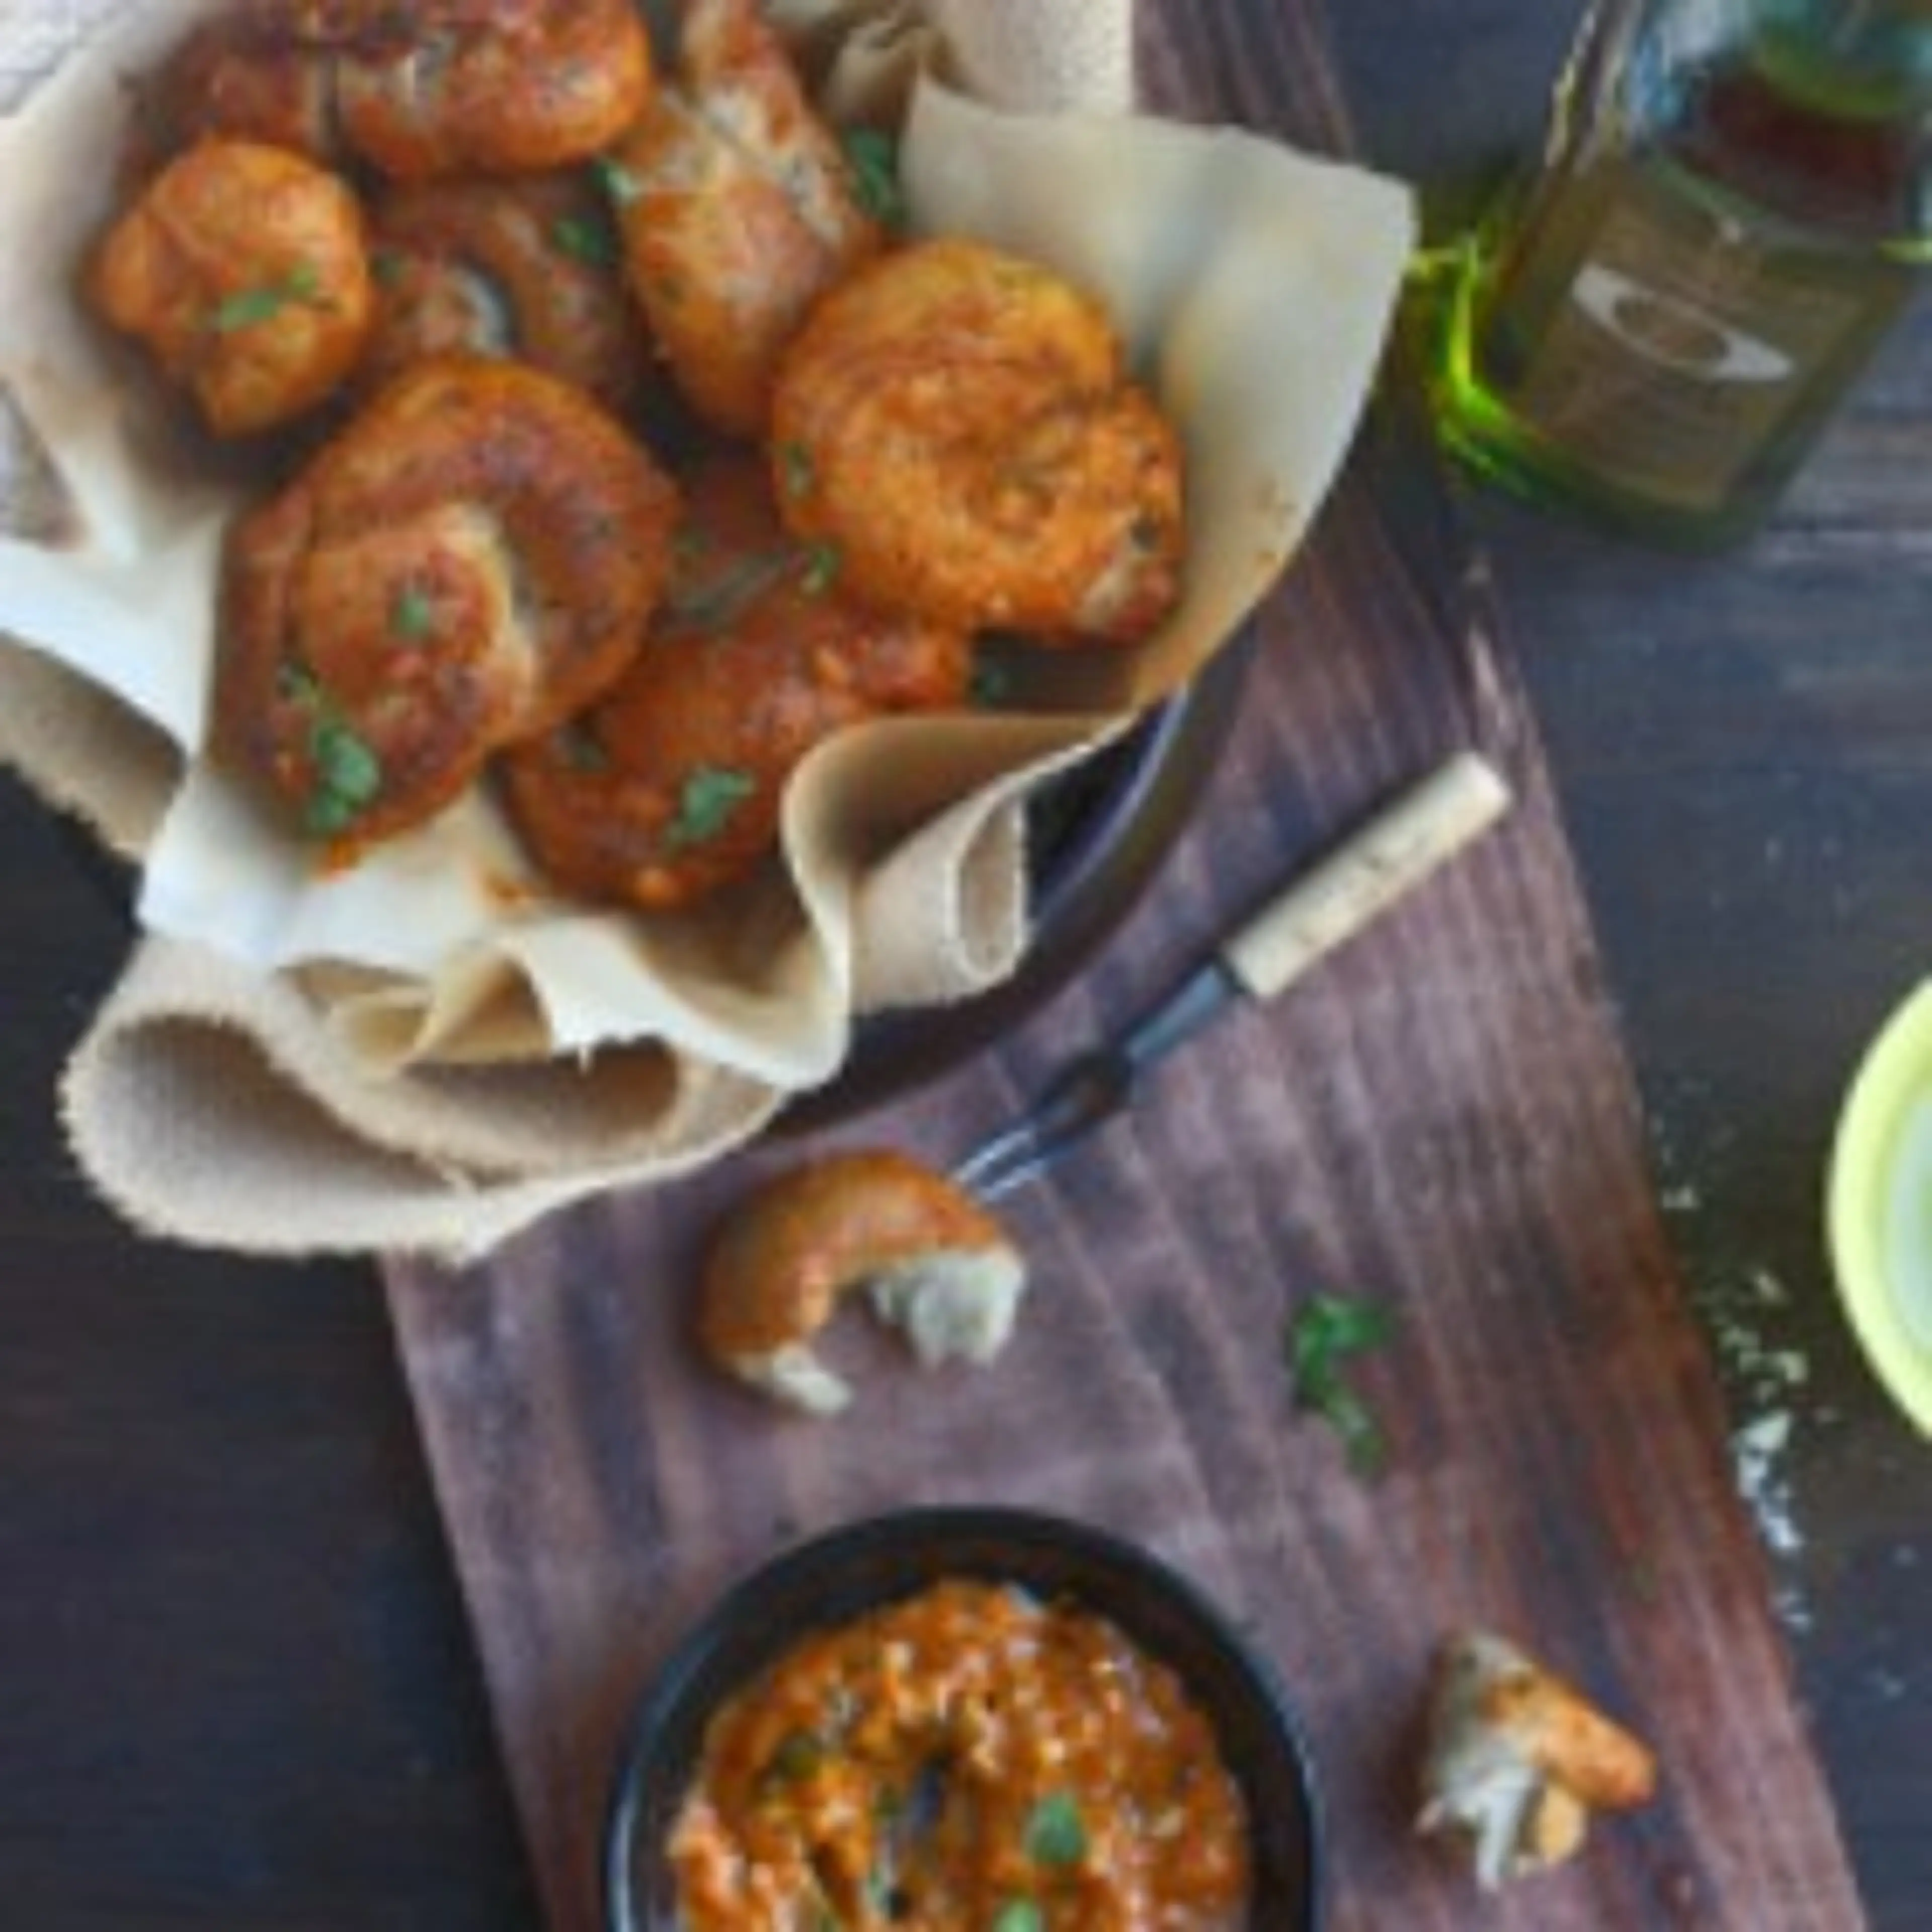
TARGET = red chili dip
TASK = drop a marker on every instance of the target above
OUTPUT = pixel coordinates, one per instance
(971, 1759)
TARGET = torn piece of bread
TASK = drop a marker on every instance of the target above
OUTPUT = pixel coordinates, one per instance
(935, 1265)
(1517, 1760)
(950, 1303)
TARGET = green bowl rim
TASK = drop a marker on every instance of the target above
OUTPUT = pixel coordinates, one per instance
(1894, 1074)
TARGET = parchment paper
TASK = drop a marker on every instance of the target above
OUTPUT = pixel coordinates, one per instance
(404, 1055)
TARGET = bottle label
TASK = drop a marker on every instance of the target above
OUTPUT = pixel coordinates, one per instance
(1676, 351)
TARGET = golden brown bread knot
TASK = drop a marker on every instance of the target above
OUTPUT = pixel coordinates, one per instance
(238, 78)
(670, 786)
(473, 558)
(936, 1265)
(1518, 1759)
(243, 270)
(525, 267)
(531, 84)
(448, 87)
(965, 433)
(738, 212)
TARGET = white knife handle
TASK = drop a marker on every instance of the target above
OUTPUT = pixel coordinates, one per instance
(1398, 848)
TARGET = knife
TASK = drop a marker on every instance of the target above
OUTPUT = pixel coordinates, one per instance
(1381, 863)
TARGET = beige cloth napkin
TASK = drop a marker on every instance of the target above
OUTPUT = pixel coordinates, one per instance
(388, 1063)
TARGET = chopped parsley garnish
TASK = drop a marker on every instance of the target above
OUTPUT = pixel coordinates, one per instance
(297, 683)
(387, 266)
(1019, 1914)
(795, 468)
(582, 751)
(619, 183)
(873, 156)
(412, 616)
(1327, 1332)
(800, 1754)
(348, 776)
(727, 592)
(991, 685)
(822, 563)
(1056, 1833)
(712, 795)
(584, 240)
(245, 307)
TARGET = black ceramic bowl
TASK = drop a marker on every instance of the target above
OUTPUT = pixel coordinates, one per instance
(844, 1574)
(1096, 835)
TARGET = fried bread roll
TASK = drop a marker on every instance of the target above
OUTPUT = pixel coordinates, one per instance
(244, 270)
(738, 212)
(525, 268)
(246, 76)
(669, 788)
(1518, 1759)
(513, 87)
(444, 87)
(959, 424)
(934, 1264)
(474, 558)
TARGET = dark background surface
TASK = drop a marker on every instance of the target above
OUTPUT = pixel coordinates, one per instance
(236, 1686)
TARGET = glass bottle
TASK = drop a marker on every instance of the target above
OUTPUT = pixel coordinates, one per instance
(1732, 209)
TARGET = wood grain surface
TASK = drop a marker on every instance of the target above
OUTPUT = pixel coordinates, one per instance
(1440, 1116)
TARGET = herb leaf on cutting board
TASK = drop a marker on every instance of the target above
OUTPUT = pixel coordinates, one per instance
(1324, 1335)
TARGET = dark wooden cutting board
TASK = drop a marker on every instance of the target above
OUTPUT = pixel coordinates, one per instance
(1441, 1118)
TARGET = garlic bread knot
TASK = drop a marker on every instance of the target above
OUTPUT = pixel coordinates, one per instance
(523, 266)
(739, 212)
(244, 270)
(964, 431)
(473, 558)
(670, 787)
(1518, 1760)
(440, 87)
(933, 1263)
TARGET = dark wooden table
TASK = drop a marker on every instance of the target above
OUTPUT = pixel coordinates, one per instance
(236, 1684)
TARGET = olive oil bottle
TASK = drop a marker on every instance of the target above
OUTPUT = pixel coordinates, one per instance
(1732, 209)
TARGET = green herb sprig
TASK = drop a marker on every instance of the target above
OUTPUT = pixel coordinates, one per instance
(617, 180)
(712, 795)
(726, 593)
(799, 1755)
(580, 749)
(586, 240)
(991, 686)
(245, 308)
(1327, 1332)
(1056, 1833)
(873, 156)
(795, 466)
(348, 774)
(822, 563)
(413, 615)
